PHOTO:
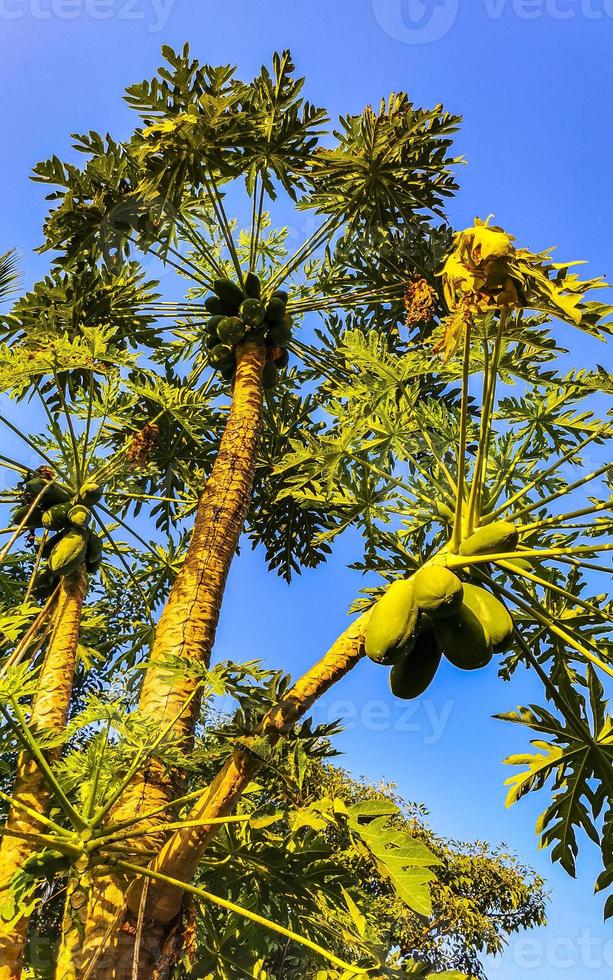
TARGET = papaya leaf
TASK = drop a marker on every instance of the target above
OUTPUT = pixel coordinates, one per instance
(22, 897)
(9, 274)
(363, 177)
(404, 862)
(577, 756)
(93, 351)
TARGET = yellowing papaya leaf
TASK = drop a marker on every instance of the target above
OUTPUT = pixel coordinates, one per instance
(486, 271)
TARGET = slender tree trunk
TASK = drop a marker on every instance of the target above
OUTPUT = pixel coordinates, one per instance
(187, 626)
(186, 631)
(49, 713)
(180, 856)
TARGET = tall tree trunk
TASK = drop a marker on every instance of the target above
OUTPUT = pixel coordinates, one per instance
(180, 856)
(187, 626)
(49, 713)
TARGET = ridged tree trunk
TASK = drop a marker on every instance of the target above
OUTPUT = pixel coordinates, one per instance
(186, 630)
(49, 712)
(180, 857)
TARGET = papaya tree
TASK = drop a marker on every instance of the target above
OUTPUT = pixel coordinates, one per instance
(387, 375)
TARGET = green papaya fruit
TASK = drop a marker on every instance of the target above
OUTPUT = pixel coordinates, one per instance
(90, 494)
(56, 517)
(50, 544)
(36, 485)
(79, 515)
(491, 539)
(275, 310)
(438, 591)
(228, 292)
(281, 294)
(213, 305)
(415, 671)
(444, 511)
(230, 309)
(270, 375)
(464, 639)
(228, 373)
(279, 334)
(52, 495)
(288, 321)
(213, 322)
(35, 519)
(253, 286)
(211, 339)
(493, 614)
(44, 583)
(252, 312)
(69, 552)
(221, 356)
(231, 330)
(94, 552)
(392, 623)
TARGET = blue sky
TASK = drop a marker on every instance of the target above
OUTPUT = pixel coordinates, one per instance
(533, 81)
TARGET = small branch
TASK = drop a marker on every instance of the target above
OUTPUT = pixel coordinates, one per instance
(551, 586)
(464, 561)
(532, 608)
(562, 493)
(28, 442)
(570, 454)
(239, 910)
(489, 397)
(141, 755)
(22, 729)
(35, 815)
(22, 646)
(302, 254)
(457, 524)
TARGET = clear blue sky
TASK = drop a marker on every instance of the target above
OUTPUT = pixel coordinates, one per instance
(533, 80)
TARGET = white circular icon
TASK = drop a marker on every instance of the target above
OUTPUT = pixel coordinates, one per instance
(416, 21)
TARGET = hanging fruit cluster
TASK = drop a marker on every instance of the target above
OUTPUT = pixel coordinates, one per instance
(50, 507)
(434, 614)
(237, 314)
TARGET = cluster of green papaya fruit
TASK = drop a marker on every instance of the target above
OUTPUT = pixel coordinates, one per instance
(56, 510)
(236, 314)
(434, 614)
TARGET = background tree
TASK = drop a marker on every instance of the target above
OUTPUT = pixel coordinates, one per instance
(479, 897)
(376, 427)
(298, 852)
